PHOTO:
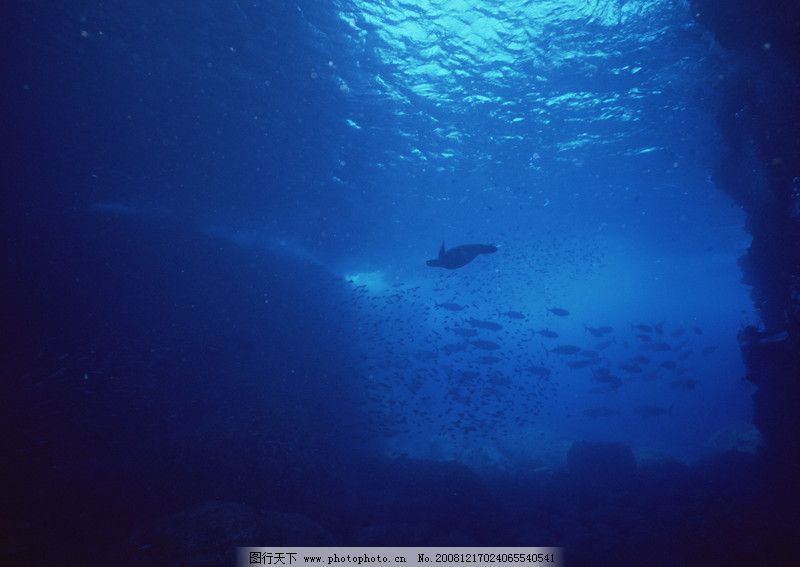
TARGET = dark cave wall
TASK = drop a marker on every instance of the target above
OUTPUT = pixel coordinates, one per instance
(759, 118)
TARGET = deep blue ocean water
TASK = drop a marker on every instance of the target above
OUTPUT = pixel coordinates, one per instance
(222, 327)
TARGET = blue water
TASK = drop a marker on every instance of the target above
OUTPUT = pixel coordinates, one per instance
(217, 219)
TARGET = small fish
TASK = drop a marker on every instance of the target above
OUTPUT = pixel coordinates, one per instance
(548, 333)
(658, 347)
(488, 360)
(697, 330)
(540, 371)
(644, 338)
(451, 306)
(558, 311)
(685, 384)
(513, 315)
(426, 355)
(653, 411)
(500, 380)
(669, 364)
(610, 380)
(485, 345)
(462, 332)
(643, 328)
(595, 413)
(632, 368)
(677, 332)
(580, 363)
(709, 349)
(598, 331)
(454, 347)
(490, 325)
(603, 345)
(594, 331)
(566, 349)
(640, 359)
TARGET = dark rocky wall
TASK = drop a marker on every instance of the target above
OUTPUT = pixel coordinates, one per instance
(759, 118)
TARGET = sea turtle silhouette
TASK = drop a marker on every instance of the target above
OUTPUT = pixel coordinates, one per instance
(460, 255)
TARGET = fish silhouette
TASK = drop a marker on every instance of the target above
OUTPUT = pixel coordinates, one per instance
(460, 256)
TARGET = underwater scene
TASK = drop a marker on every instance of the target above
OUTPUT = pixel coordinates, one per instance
(434, 273)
